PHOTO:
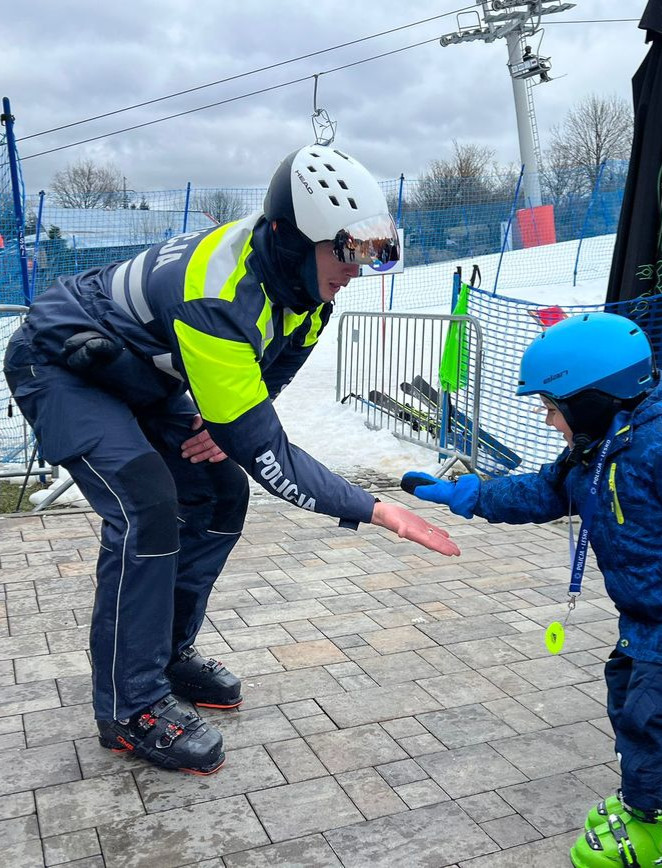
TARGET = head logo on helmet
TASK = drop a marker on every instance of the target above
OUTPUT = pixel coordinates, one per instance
(304, 182)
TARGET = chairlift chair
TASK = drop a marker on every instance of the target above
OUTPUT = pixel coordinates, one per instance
(533, 65)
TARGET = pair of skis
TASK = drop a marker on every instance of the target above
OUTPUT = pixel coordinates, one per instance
(428, 417)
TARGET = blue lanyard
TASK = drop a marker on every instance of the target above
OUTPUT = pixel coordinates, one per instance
(588, 511)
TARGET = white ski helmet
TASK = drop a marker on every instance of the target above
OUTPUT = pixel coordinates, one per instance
(329, 196)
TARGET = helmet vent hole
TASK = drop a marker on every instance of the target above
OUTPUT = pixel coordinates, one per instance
(312, 169)
(323, 183)
(334, 201)
(329, 167)
(342, 184)
(352, 204)
(340, 154)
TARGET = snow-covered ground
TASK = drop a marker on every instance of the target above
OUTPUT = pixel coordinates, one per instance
(334, 433)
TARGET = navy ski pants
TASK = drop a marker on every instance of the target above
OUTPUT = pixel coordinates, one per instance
(635, 710)
(168, 525)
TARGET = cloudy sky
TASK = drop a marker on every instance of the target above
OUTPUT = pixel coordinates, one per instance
(66, 61)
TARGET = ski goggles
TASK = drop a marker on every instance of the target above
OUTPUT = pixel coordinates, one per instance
(372, 241)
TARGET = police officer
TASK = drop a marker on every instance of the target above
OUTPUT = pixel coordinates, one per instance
(152, 381)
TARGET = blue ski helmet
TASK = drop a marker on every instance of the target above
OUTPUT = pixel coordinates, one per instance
(601, 352)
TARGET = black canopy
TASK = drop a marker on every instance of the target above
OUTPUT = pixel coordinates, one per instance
(635, 281)
(636, 267)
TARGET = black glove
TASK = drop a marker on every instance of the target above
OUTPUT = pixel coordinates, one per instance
(86, 350)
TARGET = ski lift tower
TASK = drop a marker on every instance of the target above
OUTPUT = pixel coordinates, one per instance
(515, 21)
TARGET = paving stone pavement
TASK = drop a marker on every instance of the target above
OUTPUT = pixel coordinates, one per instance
(400, 707)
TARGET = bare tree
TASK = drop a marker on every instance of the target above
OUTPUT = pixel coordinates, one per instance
(30, 222)
(597, 129)
(394, 203)
(469, 175)
(221, 205)
(7, 217)
(561, 181)
(88, 185)
(503, 181)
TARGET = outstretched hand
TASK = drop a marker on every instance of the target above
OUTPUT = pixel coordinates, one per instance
(408, 525)
(201, 447)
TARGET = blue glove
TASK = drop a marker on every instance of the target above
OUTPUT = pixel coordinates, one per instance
(460, 496)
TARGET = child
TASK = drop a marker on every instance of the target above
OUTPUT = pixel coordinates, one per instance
(597, 379)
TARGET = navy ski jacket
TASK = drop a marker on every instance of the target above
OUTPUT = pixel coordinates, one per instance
(216, 313)
(627, 527)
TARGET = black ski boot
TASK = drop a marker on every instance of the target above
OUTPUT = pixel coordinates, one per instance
(168, 735)
(204, 681)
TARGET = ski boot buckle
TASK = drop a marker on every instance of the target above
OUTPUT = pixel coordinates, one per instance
(625, 849)
(172, 732)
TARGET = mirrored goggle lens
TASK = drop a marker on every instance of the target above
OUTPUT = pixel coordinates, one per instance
(368, 242)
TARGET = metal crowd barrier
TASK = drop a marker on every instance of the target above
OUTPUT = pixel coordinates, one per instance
(388, 369)
(17, 441)
(15, 434)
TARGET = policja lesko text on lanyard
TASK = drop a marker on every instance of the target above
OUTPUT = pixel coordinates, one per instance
(555, 633)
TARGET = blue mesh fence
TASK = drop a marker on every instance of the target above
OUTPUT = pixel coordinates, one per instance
(11, 285)
(73, 239)
(459, 222)
(466, 224)
(447, 223)
(508, 326)
(15, 436)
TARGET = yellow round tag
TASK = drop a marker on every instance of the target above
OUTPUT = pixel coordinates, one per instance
(554, 637)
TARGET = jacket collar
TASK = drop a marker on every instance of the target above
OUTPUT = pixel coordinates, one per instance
(279, 275)
(649, 409)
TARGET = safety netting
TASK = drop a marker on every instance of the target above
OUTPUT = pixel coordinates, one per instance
(16, 438)
(450, 222)
(508, 326)
(15, 435)
(65, 240)
(566, 240)
(11, 285)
